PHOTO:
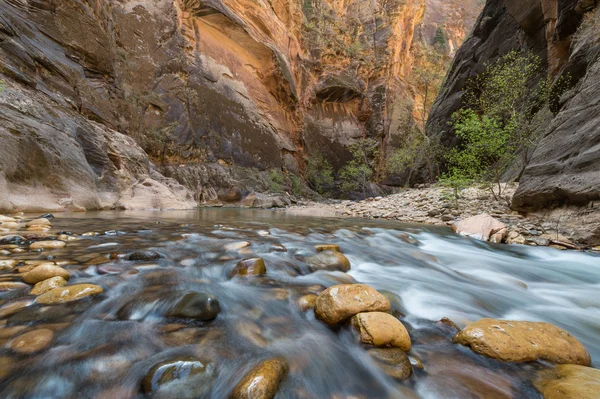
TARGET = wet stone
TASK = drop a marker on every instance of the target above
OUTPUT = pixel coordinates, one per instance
(196, 305)
(381, 329)
(68, 294)
(145, 255)
(6, 264)
(340, 302)
(250, 267)
(47, 285)
(12, 285)
(307, 302)
(262, 382)
(44, 272)
(393, 361)
(33, 341)
(182, 377)
(328, 247)
(38, 222)
(328, 261)
(11, 240)
(47, 245)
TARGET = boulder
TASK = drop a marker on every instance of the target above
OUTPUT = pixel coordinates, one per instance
(340, 302)
(329, 261)
(523, 341)
(44, 272)
(68, 294)
(393, 361)
(181, 377)
(33, 341)
(569, 381)
(196, 305)
(262, 382)
(250, 267)
(381, 329)
(481, 227)
(47, 285)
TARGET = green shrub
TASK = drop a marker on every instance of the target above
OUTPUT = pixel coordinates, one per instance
(276, 180)
(357, 173)
(319, 173)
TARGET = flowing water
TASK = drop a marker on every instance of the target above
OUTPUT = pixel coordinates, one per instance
(105, 345)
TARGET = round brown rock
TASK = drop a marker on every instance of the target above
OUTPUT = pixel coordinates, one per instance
(568, 381)
(33, 341)
(328, 247)
(329, 261)
(48, 244)
(340, 302)
(262, 382)
(381, 329)
(47, 285)
(393, 361)
(44, 272)
(523, 341)
(68, 294)
(250, 267)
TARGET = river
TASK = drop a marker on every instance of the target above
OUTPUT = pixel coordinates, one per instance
(105, 345)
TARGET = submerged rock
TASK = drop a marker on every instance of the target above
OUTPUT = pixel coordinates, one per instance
(481, 227)
(250, 267)
(33, 341)
(47, 285)
(44, 272)
(262, 382)
(68, 294)
(340, 302)
(307, 302)
(182, 377)
(328, 247)
(329, 261)
(381, 329)
(196, 305)
(393, 361)
(144, 255)
(523, 341)
(568, 381)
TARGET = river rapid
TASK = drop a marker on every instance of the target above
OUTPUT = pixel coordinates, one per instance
(104, 345)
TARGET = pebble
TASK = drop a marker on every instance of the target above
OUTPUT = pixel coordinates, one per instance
(181, 377)
(250, 267)
(340, 302)
(145, 255)
(47, 245)
(47, 285)
(7, 264)
(196, 305)
(68, 294)
(235, 246)
(44, 272)
(38, 222)
(262, 382)
(33, 341)
(381, 329)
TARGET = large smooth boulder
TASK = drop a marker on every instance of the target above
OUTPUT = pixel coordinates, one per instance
(568, 381)
(381, 329)
(523, 341)
(340, 302)
(262, 382)
(329, 261)
(481, 227)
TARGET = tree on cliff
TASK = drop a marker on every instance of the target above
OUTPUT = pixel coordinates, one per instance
(503, 115)
(357, 173)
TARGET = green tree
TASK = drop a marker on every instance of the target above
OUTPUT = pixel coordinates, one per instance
(440, 41)
(319, 173)
(357, 173)
(502, 115)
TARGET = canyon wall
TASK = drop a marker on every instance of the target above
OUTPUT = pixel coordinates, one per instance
(565, 168)
(92, 85)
